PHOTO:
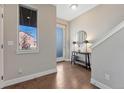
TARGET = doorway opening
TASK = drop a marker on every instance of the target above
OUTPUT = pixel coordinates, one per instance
(60, 42)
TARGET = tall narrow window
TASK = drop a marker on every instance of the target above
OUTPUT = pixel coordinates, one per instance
(27, 29)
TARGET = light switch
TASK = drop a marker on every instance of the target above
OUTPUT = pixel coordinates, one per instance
(10, 43)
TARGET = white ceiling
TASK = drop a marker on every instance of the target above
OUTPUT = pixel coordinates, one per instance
(66, 13)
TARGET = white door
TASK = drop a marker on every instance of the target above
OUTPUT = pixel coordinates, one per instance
(60, 43)
(1, 42)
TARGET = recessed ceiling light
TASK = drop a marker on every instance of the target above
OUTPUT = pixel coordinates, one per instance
(73, 6)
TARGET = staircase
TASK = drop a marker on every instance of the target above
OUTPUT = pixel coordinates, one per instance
(107, 60)
(109, 34)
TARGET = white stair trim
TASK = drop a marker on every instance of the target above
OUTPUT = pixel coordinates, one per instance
(112, 32)
(29, 77)
(99, 84)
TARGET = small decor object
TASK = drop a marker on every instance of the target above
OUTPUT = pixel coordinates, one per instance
(87, 46)
(81, 37)
(86, 41)
(27, 35)
(74, 43)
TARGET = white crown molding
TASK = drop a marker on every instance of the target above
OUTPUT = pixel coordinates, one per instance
(99, 84)
(112, 32)
(29, 77)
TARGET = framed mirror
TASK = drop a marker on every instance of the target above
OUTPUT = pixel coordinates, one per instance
(81, 37)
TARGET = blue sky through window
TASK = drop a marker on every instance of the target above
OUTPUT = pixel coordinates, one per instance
(32, 31)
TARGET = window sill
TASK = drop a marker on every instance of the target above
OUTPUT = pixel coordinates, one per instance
(27, 51)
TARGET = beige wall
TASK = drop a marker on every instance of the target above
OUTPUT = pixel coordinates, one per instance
(67, 36)
(97, 22)
(108, 58)
(29, 63)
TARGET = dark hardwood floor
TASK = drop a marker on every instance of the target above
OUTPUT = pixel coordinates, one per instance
(67, 77)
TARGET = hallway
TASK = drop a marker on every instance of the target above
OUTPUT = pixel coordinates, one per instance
(67, 77)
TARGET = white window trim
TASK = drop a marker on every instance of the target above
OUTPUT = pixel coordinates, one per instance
(18, 51)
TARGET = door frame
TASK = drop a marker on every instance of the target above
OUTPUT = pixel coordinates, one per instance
(1, 46)
(64, 29)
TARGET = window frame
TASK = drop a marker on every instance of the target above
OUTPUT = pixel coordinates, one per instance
(19, 51)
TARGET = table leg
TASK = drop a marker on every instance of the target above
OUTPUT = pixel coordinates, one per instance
(86, 61)
(89, 61)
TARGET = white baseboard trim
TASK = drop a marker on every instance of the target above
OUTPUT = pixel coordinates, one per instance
(29, 77)
(1, 84)
(60, 60)
(99, 84)
(67, 60)
(80, 63)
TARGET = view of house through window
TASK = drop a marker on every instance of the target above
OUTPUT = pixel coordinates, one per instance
(27, 28)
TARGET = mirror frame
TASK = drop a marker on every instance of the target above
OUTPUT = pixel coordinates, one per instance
(81, 37)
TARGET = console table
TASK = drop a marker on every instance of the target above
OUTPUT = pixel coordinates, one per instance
(75, 57)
